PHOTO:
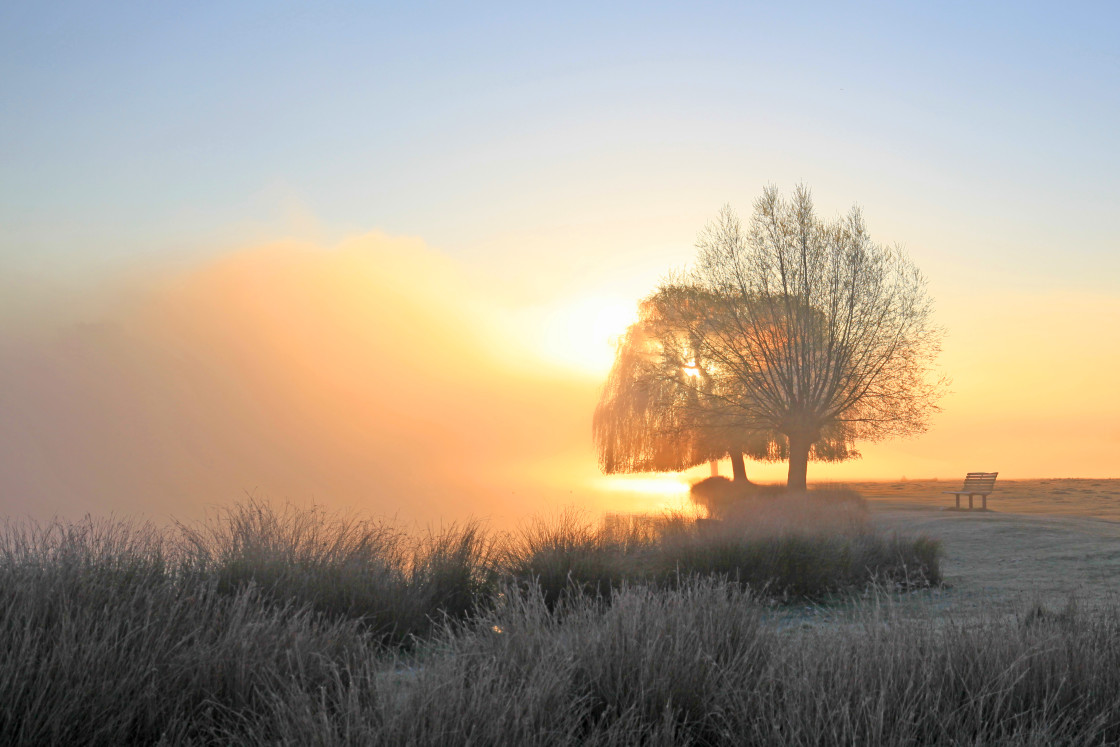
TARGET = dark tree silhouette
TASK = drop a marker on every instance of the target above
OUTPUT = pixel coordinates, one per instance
(811, 329)
(662, 407)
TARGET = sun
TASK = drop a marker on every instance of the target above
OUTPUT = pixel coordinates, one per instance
(582, 333)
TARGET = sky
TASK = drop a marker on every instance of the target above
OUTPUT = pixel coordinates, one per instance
(375, 256)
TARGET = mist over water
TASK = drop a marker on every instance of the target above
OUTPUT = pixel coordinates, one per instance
(369, 377)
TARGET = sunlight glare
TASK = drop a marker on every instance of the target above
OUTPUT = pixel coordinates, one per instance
(668, 486)
(583, 333)
(648, 493)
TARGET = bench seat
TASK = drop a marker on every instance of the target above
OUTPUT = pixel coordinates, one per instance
(976, 483)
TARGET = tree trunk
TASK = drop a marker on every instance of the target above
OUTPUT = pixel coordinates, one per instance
(799, 444)
(738, 469)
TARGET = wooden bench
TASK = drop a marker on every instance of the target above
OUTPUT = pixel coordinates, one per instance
(975, 483)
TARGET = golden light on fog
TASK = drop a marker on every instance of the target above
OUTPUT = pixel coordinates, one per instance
(311, 373)
(691, 369)
(581, 333)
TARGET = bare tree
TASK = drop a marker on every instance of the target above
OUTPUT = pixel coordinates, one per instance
(813, 330)
(662, 409)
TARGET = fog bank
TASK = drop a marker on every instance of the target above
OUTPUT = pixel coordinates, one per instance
(371, 376)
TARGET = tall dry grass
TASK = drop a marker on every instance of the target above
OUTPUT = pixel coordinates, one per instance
(103, 641)
(270, 625)
(343, 567)
(699, 664)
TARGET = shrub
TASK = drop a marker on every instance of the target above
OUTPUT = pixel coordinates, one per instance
(719, 496)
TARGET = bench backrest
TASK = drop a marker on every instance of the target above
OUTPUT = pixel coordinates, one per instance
(980, 481)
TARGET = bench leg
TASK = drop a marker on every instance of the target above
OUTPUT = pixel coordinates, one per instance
(985, 499)
(970, 501)
(958, 503)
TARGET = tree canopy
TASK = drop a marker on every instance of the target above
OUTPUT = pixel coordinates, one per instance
(810, 329)
(664, 407)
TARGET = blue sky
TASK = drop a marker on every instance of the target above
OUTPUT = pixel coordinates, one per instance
(983, 136)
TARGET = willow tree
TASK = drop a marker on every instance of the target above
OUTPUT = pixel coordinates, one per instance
(664, 406)
(813, 331)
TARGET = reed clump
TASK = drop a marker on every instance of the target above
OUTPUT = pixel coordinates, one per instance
(394, 585)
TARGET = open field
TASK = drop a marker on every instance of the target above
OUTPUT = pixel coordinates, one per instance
(1097, 499)
(1044, 541)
